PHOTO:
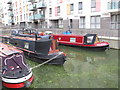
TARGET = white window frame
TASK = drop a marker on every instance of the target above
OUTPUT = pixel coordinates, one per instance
(82, 22)
(95, 22)
(80, 5)
(115, 23)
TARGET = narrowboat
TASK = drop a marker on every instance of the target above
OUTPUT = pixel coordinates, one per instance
(15, 72)
(40, 49)
(89, 41)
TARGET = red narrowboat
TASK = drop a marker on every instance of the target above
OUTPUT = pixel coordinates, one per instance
(89, 41)
(15, 71)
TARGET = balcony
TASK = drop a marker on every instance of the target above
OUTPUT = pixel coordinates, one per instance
(37, 17)
(10, 8)
(113, 6)
(32, 8)
(11, 14)
(32, 1)
(41, 5)
(31, 17)
(11, 21)
(9, 2)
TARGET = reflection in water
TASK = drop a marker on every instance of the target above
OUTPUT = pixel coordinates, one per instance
(83, 69)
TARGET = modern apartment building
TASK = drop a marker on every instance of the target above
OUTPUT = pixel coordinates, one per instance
(81, 15)
(1, 13)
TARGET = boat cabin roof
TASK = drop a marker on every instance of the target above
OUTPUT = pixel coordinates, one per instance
(8, 50)
(90, 35)
(26, 38)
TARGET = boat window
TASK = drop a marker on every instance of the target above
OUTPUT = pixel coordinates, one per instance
(16, 43)
(97, 40)
(56, 43)
(26, 45)
(90, 39)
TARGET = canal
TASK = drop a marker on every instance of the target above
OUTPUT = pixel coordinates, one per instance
(83, 69)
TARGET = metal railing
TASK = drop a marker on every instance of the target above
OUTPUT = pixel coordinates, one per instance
(113, 5)
(36, 17)
(41, 5)
(32, 7)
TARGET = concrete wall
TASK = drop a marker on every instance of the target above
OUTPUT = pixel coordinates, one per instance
(114, 43)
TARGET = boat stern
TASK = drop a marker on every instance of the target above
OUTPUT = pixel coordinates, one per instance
(24, 82)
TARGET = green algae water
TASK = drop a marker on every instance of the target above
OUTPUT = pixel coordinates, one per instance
(83, 69)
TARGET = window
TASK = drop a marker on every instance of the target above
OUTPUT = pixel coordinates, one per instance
(82, 22)
(80, 6)
(115, 23)
(70, 23)
(24, 9)
(71, 7)
(26, 45)
(50, 10)
(60, 23)
(26, 16)
(50, 2)
(27, 8)
(20, 17)
(59, 1)
(17, 18)
(95, 21)
(58, 9)
(90, 39)
(93, 5)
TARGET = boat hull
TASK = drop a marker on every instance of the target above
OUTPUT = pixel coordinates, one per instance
(89, 41)
(95, 48)
(24, 84)
(41, 57)
(59, 60)
(15, 72)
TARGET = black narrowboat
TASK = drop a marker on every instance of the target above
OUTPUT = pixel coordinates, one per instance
(40, 49)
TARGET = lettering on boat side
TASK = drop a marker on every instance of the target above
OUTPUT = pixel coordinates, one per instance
(72, 39)
(101, 44)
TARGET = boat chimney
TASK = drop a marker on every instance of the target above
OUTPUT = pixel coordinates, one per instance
(35, 36)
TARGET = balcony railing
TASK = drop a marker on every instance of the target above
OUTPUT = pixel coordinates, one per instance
(115, 6)
(37, 17)
(11, 14)
(11, 21)
(41, 5)
(32, 1)
(32, 8)
(9, 2)
(31, 17)
(56, 25)
(10, 8)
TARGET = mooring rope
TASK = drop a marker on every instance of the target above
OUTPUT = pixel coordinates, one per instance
(46, 61)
